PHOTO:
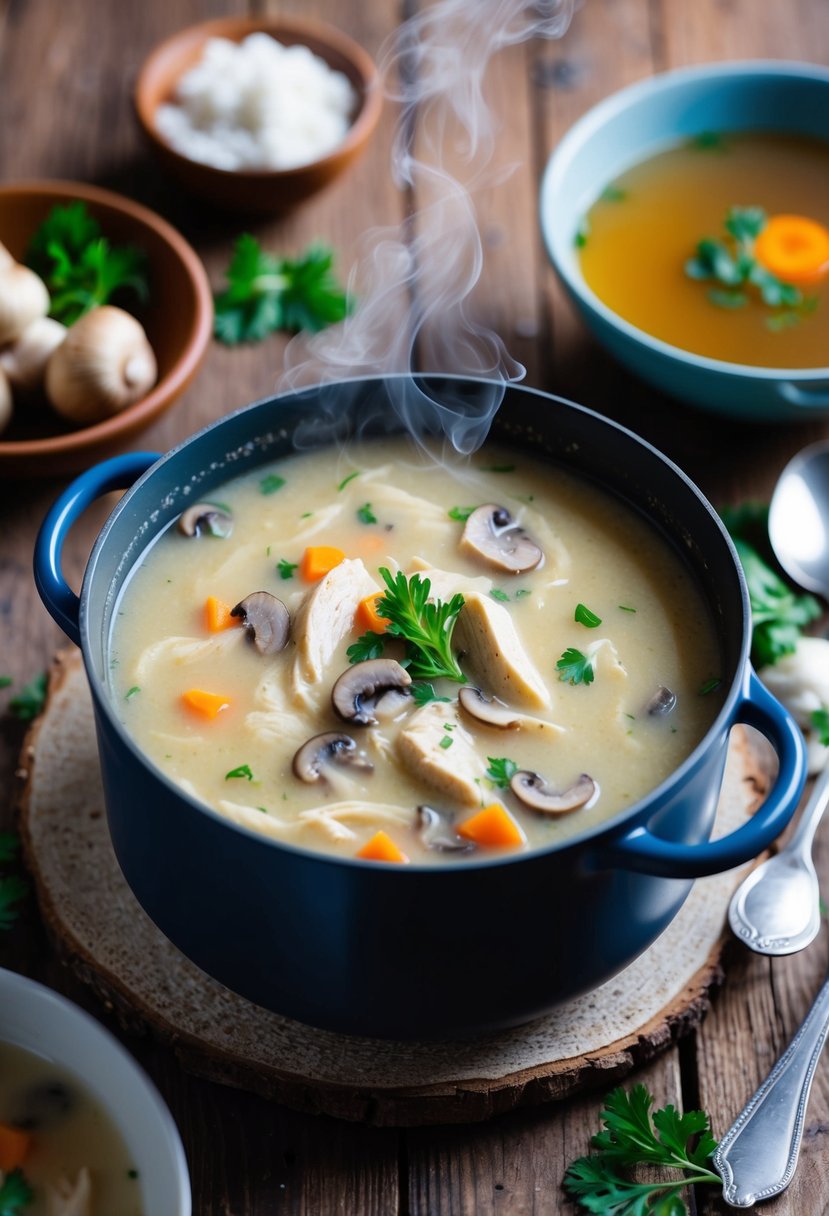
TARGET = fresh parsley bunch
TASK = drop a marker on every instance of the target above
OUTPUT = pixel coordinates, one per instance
(778, 613)
(266, 293)
(425, 627)
(634, 1136)
(79, 266)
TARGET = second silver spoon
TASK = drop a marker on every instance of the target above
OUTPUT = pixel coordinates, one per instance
(776, 909)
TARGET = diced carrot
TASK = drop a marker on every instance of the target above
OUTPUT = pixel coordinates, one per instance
(368, 617)
(381, 847)
(208, 704)
(14, 1147)
(493, 826)
(793, 248)
(318, 560)
(217, 615)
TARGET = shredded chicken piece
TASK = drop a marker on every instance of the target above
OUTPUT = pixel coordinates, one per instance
(453, 769)
(181, 651)
(325, 618)
(446, 583)
(494, 654)
(329, 820)
(67, 1198)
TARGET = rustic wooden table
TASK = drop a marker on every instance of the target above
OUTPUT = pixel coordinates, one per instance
(65, 112)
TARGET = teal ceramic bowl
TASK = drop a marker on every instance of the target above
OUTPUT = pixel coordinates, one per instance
(631, 126)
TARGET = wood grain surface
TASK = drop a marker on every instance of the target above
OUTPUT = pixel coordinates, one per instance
(66, 72)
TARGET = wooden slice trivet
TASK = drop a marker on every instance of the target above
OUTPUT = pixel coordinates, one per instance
(100, 930)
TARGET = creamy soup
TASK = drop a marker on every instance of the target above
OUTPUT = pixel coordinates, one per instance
(57, 1141)
(559, 665)
(639, 249)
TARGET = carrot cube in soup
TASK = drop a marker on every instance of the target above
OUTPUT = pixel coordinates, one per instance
(217, 615)
(14, 1147)
(381, 847)
(368, 616)
(492, 827)
(208, 704)
(319, 560)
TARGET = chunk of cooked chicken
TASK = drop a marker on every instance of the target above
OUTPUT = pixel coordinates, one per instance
(494, 654)
(454, 769)
(446, 583)
(66, 1198)
(324, 618)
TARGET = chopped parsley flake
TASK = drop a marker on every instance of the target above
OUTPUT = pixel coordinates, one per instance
(582, 233)
(498, 594)
(242, 771)
(366, 515)
(519, 595)
(710, 686)
(574, 667)
(132, 692)
(271, 483)
(423, 693)
(501, 771)
(613, 194)
(286, 568)
(461, 514)
(624, 608)
(346, 480)
(446, 741)
(583, 616)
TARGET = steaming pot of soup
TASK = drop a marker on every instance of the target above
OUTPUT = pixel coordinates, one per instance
(403, 742)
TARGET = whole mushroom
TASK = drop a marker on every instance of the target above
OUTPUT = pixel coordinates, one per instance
(104, 364)
(266, 619)
(23, 298)
(24, 362)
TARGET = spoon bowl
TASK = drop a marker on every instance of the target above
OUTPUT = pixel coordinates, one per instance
(799, 518)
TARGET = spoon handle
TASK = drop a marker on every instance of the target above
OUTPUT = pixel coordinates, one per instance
(804, 834)
(758, 1154)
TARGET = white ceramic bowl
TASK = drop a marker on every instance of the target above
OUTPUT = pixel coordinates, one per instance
(36, 1018)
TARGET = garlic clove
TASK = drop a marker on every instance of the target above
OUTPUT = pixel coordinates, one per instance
(104, 364)
(24, 362)
(5, 401)
(6, 258)
(23, 298)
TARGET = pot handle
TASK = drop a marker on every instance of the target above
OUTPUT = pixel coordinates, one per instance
(639, 849)
(813, 396)
(116, 474)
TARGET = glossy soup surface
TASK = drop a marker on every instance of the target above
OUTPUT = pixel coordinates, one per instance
(68, 1131)
(647, 225)
(396, 511)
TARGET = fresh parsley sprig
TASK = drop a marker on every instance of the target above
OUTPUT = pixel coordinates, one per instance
(425, 627)
(79, 266)
(501, 770)
(575, 667)
(266, 293)
(633, 1135)
(731, 264)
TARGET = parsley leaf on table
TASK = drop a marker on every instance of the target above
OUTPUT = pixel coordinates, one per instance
(15, 1194)
(30, 700)
(266, 293)
(632, 1136)
(79, 266)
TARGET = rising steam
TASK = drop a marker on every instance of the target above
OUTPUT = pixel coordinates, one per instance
(412, 282)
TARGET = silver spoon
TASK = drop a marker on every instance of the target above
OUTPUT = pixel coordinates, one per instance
(776, 909)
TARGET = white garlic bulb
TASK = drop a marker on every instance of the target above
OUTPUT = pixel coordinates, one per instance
(23, 298)
(104, 364)
(801, 681)
(5, 401)
(24, 362)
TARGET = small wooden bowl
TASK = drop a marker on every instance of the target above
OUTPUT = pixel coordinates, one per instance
(264, 190)
(178, 320)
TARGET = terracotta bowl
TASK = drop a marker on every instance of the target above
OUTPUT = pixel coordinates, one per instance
(266, 190)
(178, 320)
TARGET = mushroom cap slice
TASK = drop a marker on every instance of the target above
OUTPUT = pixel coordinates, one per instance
(266, 619)
(357, 691)
(332, 747)
(661, 703)
(489, 710)
(436, 833)
(492, 534)
(532, 791)
(205, 517)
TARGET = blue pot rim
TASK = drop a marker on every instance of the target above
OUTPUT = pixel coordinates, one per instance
(592, 121)
(626, 817)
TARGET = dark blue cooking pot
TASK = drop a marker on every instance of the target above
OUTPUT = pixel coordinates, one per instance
(369, 949)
